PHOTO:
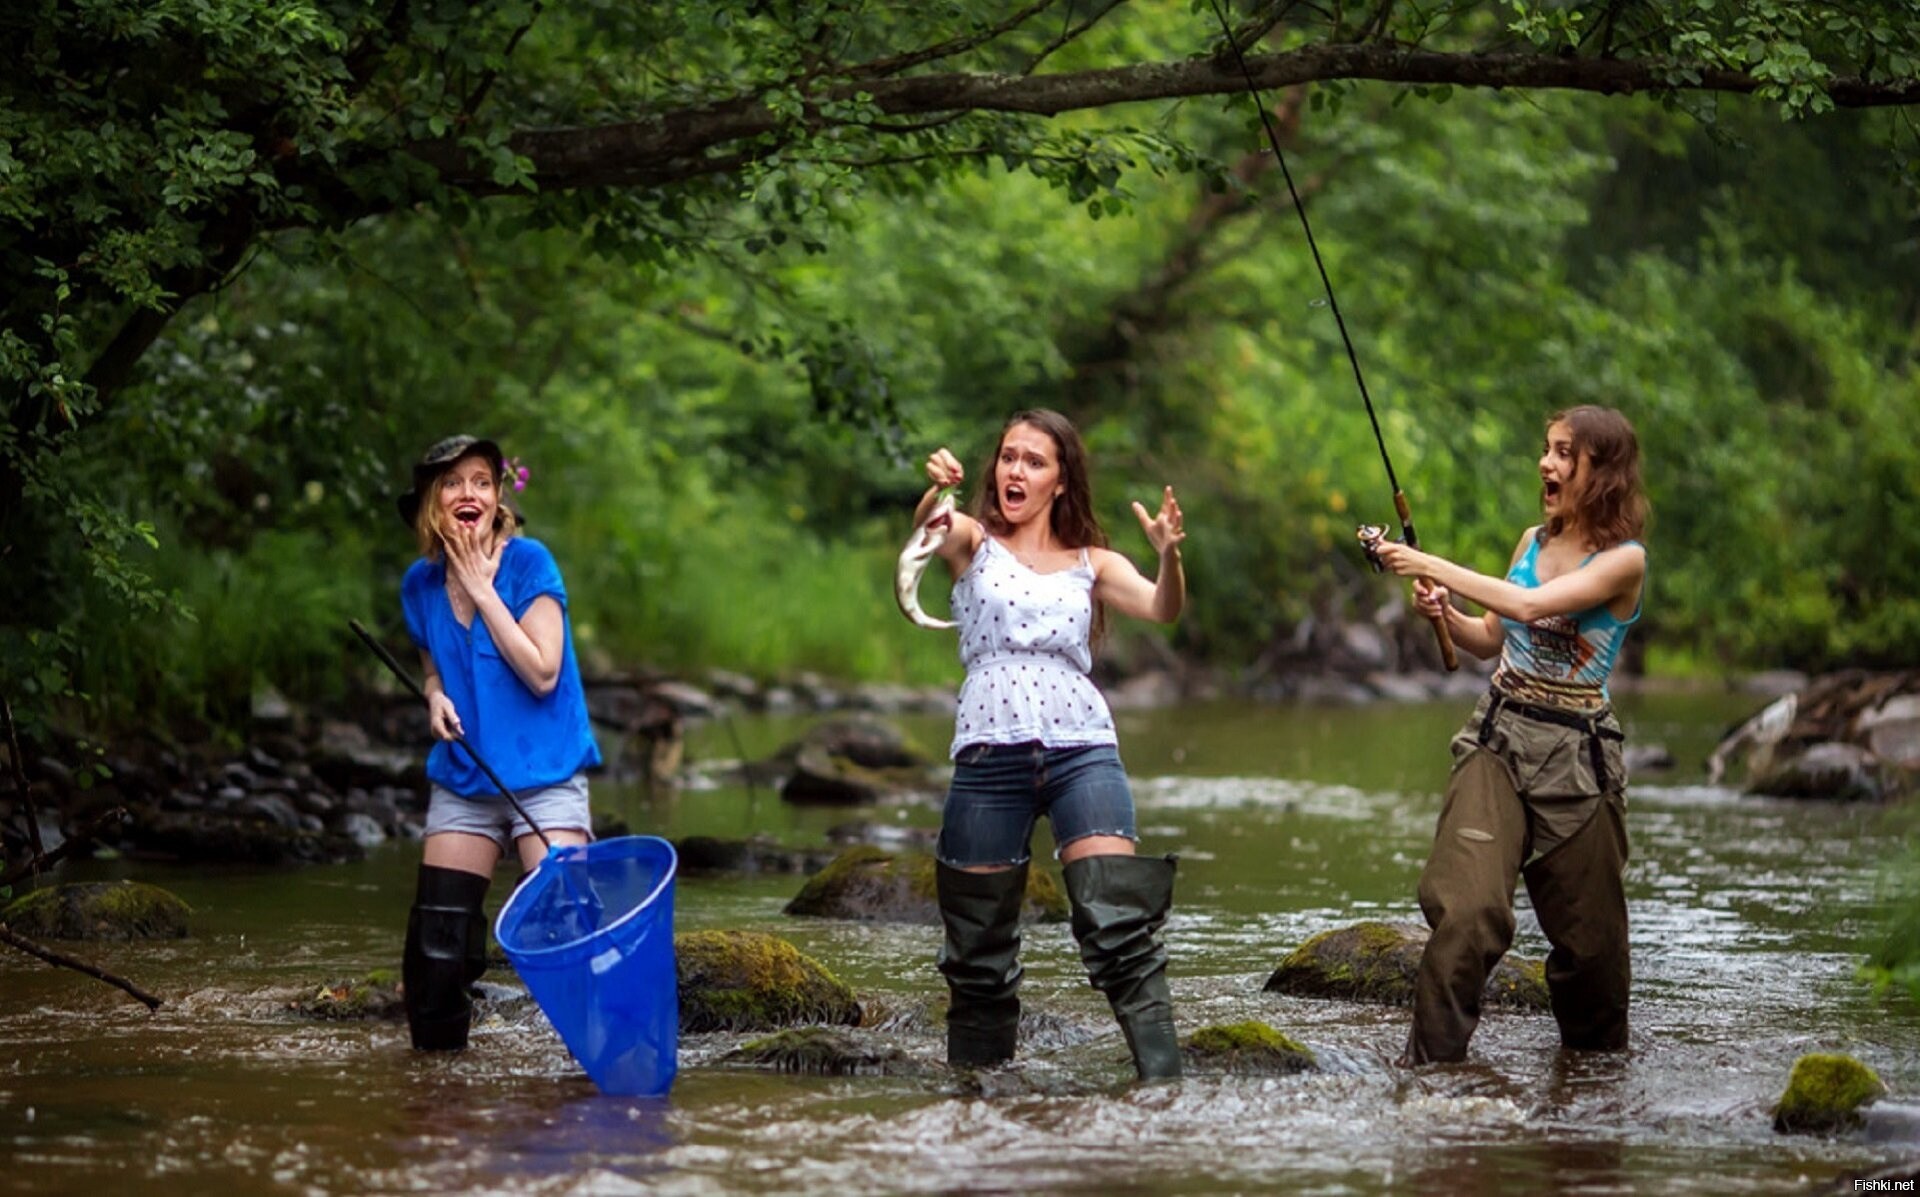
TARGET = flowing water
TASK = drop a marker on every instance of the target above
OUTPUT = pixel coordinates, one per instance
(1749, 920)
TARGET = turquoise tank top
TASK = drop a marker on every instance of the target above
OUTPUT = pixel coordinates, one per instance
(1562, 657)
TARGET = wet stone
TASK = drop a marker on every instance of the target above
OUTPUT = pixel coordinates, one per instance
(1377, 962)
(113, 910)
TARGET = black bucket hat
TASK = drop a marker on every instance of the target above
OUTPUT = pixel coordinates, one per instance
(439, 456)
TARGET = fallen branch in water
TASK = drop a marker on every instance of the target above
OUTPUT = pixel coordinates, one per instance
(21, 942)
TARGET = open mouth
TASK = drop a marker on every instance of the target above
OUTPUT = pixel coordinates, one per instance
(1013, 495)
(467, 515)
(1549, 490)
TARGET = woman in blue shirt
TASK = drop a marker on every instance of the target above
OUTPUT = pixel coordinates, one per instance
(488, 611)
(1539, 782)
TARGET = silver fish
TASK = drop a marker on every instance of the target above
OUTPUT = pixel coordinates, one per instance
(914, 559)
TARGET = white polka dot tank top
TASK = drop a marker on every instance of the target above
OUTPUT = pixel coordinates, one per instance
(1024, 638)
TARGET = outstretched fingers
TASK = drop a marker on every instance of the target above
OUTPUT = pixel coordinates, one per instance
(1165, 529)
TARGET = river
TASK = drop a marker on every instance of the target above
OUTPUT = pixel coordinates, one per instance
(1749, 919)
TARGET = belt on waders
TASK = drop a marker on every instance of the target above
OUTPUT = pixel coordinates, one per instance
(1590, 724)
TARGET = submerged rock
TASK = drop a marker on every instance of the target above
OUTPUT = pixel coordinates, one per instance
(823, 1051)
(1377, 962)
(1247, 1048)
(704, 855)
(98, 910)
(872, 885)
(1826, 1092)
(854, 761)
(749, 981)
(376, 995)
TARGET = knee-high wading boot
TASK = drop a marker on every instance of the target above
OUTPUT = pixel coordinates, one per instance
(445, 952)
(981, 961)
(1119, 905)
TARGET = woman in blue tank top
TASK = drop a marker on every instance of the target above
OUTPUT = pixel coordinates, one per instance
(488, 611)
(1538, 787)
(1033, 737)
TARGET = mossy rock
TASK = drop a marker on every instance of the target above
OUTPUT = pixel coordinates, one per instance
(1248, 1048)
(376, 995)
(98, 910)
(749, 981)
(1826, 1092)
(823, 1051)
(1378, 962)
(870, 884)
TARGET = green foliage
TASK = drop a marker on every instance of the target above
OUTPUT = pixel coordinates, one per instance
(259, 254)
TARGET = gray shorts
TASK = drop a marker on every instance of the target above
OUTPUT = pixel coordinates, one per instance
(560, 807)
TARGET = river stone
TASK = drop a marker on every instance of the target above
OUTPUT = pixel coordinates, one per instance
(704, 855)
(1843, 772)
(374, 996)
(1246, 1048)
(853, 761)
(98, 910)
(1377, 962)
(750, 981)
(823, 1051)
(869, 884)
(1826, 1092)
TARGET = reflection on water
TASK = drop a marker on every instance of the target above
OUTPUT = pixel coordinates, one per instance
(1748, 917)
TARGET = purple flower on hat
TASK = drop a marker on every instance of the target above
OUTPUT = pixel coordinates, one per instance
(517, 473)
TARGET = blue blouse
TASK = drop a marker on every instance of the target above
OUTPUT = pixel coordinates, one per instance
(529, 741)
(1578, 649)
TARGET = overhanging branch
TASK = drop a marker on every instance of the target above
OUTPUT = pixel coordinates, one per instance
(680, 145)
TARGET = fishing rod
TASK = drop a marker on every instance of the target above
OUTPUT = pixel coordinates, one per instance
(414, 686)
(1370, 534)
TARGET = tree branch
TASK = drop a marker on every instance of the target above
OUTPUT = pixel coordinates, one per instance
(14, 940)
(675, 146)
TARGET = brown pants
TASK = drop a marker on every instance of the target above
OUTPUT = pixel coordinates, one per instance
(1515, 807)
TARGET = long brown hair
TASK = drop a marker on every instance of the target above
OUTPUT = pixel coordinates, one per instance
(1072, 517)
(427, 527)
(1613, 507)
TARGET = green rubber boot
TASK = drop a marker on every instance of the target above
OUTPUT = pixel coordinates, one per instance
(981, 961)
(1119, 905)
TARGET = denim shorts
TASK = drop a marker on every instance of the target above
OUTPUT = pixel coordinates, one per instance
(1000, 790)
(560, 807)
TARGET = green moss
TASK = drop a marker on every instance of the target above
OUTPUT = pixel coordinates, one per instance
(1378, 962)
(376, 995)
(99, 910)
(1826, 1092)
(745, 980)
(1248, 1047)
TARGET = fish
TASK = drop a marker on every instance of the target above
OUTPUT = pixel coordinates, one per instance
(914, 559)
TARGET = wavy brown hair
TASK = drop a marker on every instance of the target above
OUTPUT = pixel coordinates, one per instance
(427, 527)
(1072, 519)
(1613, 506)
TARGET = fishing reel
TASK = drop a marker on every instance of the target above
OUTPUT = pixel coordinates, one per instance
(1371, 537)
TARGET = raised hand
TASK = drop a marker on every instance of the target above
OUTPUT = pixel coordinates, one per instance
(1165, 530)
(473, 559)
(945, 469)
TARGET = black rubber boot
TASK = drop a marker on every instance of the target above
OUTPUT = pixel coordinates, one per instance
(1119, 905)
(981, 961)
(446, 939)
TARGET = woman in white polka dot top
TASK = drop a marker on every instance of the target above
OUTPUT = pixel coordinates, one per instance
(1033, 736)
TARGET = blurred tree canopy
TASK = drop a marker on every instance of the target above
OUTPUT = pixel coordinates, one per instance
(721, 272)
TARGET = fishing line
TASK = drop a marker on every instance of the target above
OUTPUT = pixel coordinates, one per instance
(1333, 302)
(1369, 536)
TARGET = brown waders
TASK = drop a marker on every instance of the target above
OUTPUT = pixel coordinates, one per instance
(1538, 793)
